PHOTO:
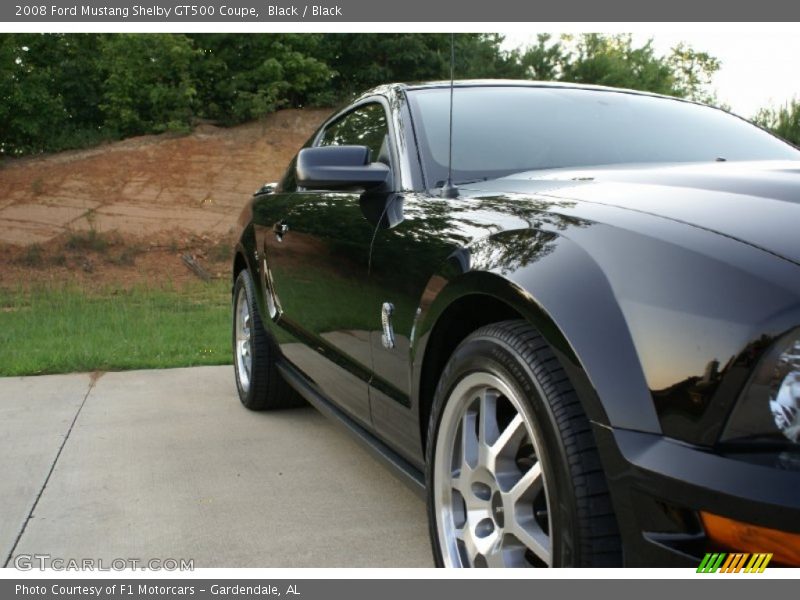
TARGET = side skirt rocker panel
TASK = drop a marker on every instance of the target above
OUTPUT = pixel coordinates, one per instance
(406, 472)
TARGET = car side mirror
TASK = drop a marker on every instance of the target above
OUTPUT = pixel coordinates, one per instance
(339, 167)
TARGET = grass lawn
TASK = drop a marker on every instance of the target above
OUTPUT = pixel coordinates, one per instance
(65, 328)
(59, 329)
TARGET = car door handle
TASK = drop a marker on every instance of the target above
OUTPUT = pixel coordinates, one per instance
(280, 228)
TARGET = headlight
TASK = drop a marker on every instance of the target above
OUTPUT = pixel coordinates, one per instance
(784, 399)
(769, 408)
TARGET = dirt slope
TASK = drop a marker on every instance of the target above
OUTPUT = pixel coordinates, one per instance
(128, 201)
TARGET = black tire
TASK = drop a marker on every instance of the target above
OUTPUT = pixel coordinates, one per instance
(583, 529)
(266, 390)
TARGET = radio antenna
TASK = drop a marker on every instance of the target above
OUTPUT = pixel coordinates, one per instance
(448, 189)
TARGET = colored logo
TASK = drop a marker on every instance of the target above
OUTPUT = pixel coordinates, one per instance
(720, 562)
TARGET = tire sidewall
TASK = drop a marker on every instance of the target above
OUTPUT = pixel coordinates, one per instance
(491, 355)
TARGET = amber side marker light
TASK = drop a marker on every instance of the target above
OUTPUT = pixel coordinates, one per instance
(744, 537)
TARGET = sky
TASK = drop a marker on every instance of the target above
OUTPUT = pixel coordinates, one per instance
(759, 68)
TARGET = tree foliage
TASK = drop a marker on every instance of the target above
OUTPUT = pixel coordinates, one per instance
(365, 60)
(784, 120)
(29, 110)
(148, 82)
(68, 90)
(614, 60)
(242, 77)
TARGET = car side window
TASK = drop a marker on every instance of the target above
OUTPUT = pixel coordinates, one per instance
(364, 126)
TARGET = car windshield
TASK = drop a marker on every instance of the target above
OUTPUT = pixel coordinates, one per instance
(502, 130)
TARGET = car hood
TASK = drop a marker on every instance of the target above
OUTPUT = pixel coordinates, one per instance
(757, 203)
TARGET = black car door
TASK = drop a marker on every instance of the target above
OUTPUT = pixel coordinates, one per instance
(317, 247)
(417, 237)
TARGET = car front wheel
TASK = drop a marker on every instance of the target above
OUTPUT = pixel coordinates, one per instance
(513, 478)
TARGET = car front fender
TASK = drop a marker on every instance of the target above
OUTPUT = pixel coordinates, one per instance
(555, 285)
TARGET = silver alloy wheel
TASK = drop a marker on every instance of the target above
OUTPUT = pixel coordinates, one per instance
(490, 497)
(244, 346)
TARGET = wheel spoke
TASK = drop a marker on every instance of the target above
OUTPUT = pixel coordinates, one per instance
(522, 523)
(511, 436)
(458, 482)
(465, 535)
(502, 454)
(488, 429)
(469, 442)
(495, 556)
(528, 485)
(532, 537)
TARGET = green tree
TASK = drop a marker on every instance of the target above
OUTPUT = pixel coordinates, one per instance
(242, 77)
(544, 60)
(148, 82)
(692, 72)
(783, 121)
(362, 61)
(51, 87)
(68, 90)
(614, 60)
(31, 110)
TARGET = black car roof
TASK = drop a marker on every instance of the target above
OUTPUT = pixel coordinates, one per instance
(410, 86)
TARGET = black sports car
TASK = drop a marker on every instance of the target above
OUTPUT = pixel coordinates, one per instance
(574, 326)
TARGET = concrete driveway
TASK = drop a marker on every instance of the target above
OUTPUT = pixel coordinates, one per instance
(167, 464)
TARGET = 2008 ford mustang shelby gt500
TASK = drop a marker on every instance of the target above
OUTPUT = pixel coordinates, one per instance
(574, 326)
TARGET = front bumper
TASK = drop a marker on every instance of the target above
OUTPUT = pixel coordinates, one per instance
(660, 485)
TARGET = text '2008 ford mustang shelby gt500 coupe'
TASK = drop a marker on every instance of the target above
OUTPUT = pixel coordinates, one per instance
(569, 315)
